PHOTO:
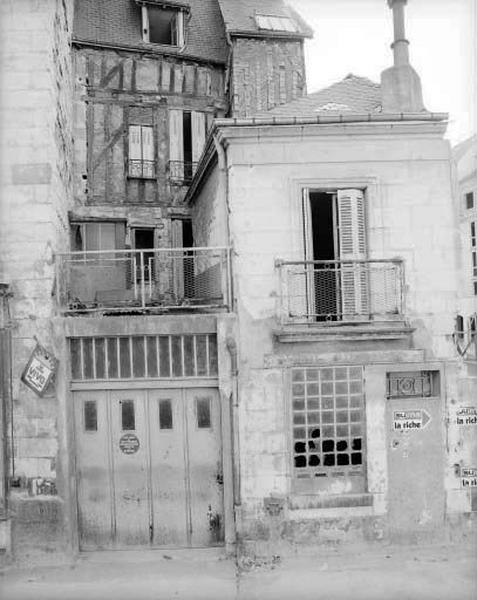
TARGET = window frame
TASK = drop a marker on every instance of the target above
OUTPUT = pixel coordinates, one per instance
(179, 24)
(324, 485)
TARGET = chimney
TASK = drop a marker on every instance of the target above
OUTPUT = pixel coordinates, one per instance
(400, 84)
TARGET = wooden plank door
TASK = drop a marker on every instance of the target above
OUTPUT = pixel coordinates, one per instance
(93, 470)
(131, 468)
(204, 457)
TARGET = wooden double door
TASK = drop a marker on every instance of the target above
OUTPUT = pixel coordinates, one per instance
(149, 468)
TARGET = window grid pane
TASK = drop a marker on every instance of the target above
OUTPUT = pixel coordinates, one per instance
(328, 422)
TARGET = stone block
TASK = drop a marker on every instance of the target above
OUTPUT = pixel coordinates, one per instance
(37, 447)
(31, 174)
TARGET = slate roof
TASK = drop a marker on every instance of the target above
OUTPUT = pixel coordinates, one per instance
(353, 94)
(118, 22)
(239, 17)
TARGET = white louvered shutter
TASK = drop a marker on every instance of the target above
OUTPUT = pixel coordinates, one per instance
(352, 247)
(178, 258)
(176, 144)
(135, 151)
(148, 151)
(198, 135)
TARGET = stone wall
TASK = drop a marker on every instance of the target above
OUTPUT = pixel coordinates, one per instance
(36, 173)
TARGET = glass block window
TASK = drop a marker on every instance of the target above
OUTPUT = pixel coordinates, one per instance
(329, 424)
(144, 357)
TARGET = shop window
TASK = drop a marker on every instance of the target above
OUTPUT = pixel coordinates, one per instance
(328, 428)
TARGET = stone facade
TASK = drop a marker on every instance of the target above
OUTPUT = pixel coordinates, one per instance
(404, 172)
(36, 123)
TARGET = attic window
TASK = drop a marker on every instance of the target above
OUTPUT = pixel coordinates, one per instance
(275, 23)
(163, 25)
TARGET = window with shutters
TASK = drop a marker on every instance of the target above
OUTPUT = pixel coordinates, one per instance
(163, 24)
(473, 244)
(187, 130)
(141, 158)
(337, 276)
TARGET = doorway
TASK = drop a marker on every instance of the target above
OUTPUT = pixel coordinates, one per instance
(149, 468)
(143, 239)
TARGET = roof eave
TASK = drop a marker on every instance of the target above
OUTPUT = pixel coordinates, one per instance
(288, 35)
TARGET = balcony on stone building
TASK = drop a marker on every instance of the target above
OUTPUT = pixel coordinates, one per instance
(151, 281)
(340, 298)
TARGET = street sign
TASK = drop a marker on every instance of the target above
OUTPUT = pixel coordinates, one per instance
(410, 420)
(468, 476)
(40, 370)
(467, 415)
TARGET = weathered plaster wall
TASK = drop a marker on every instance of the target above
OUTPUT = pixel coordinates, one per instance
(36, 173)
(266, 73)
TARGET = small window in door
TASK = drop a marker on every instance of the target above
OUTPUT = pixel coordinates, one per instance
(165, 414)
(128, 418)
(90, 415)
(203, 413)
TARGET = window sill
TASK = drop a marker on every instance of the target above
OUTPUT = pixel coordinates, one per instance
(345, 331)
(330, 506)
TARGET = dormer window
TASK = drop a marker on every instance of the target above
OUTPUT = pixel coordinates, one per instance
(275, 23)
(163, 24)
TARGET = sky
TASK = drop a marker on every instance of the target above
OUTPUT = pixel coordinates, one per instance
(354, 36)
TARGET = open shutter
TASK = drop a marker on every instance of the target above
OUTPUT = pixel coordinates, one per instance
(135, 151)
(198, 135)
(148, 151)
(352, 247)
(177, 258)
(176, 144)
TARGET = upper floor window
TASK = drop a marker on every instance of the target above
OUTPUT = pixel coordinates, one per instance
(473, 244)
(141, 159)
(469, 200)
(187, 131)
(163, 25)
(275, 23)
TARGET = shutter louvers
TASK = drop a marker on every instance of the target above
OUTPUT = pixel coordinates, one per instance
(135, 151)
(198, 135)
(176, 145)
(148, 152)
(352, 247)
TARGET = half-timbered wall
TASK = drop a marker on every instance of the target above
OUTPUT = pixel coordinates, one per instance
(117, 89)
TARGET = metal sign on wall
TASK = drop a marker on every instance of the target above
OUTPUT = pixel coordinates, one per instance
(408, 420)
(40, 370)
(468, 476)
(467, 415)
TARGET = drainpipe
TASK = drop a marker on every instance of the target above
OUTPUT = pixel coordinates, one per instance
(5, 394)
(231, 341)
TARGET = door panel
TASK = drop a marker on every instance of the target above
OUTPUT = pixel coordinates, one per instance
(416, 469)
(205, 467)
(93, 470)
(168, 473)
(130, 454)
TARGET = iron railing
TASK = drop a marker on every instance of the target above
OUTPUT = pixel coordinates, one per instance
(154, 280)
(347, 290)
(181, 172)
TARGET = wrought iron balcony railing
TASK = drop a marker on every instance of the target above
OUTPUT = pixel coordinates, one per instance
(181, 172)
(155, 280)
(357, 290)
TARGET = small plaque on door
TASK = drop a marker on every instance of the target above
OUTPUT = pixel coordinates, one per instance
(129, 443)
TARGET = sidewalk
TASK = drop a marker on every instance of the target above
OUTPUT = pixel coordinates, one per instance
(432, 573)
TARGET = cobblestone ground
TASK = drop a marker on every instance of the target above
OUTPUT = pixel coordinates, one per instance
(432, 573)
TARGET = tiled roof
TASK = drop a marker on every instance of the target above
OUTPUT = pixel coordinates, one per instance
(239, 16)
(118, 22)
(351, 95)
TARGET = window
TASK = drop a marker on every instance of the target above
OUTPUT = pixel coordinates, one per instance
(275, 23)
(97, 236)
(128, 419)
(469, 200)
(163, 25)
(165, 414)
(141, 159)
(412, 384)
(473, 244)
(187, 131)
(328, 428)
(90, 416)
(203, 413)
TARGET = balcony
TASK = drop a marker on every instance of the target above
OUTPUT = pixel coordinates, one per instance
(150, 281)
(347, 292)
(181, 172)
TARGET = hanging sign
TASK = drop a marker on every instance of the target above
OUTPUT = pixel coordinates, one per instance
(466, 415)
(409, 420)
(39, 370)
(129, 443)
(468, 476)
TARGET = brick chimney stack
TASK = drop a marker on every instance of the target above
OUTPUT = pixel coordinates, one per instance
(400, 84)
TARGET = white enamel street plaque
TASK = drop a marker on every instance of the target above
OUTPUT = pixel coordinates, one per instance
(468, 476)
(467, 415)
